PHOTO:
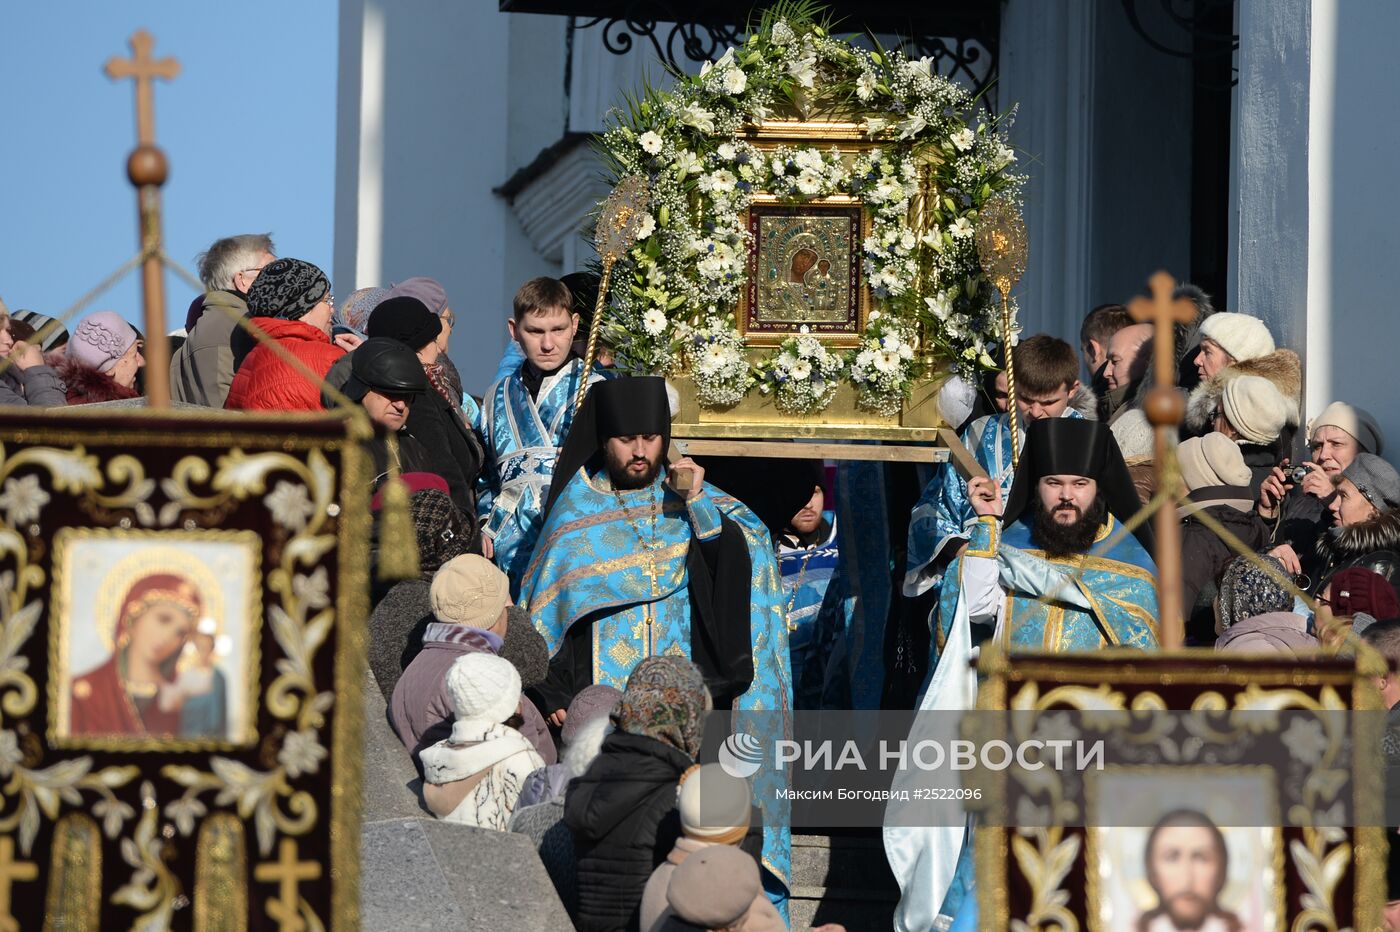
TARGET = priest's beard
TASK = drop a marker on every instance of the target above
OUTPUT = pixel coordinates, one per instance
(623, 479)
(1062, 540)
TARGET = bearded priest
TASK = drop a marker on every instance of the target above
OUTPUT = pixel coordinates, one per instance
(630, 566)
(1049, 572)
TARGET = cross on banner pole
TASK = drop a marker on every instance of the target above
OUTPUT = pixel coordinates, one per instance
(1165, 409)
(147, 169)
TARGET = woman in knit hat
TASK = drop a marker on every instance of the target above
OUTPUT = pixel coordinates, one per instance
(1254, 613)
(622, 811)
(1299, 510)
(474, 776)
(1254, 414)
(718, 888)
(290, 302)
(101, 360)
(27, 379)
(1235, 345)
(452, 445)
(1217, 481)
(716, 809)
(1366, 523)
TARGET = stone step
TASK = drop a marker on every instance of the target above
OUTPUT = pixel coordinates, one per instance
(842, 877)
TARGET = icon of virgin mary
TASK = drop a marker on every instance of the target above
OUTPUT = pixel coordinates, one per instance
(139, 690)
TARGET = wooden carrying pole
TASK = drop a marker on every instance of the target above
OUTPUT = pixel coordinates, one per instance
(1165, 409)
(147, 168)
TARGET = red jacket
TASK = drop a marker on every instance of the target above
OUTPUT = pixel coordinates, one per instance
(266, 383)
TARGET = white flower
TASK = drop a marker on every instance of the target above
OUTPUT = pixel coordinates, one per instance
(808, 160)
(963, 139)
(931, 238)
(801, 370)
(646, 227)
(650, 142)
(782, 33)
(686, 163)
(654, 322)
(290, 505)
(23, 500)
(809, 183)
(735, 81)
(890, 342)
(874, 125)
(727, 151)
(727, 59)
(312, 590)
(887, 361)
(1005, 155)
(961, 228)
(906, 351)
(716, 358)
(786, 360)
(865, 85)
(923, 68)
(912, 126)
(723, 181)
(908, 240)
(804, 71)
(698, 117)
(779, 166)
(301, 753)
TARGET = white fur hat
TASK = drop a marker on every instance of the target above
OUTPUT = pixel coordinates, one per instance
(714, 806)
(1254, 407)
(484, 688)
(1212, 460)
(1240, 335)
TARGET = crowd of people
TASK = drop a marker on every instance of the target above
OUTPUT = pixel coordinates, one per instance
(582, 604)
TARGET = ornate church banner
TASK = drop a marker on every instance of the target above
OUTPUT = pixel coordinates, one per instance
(182, 604)
(1263, 773)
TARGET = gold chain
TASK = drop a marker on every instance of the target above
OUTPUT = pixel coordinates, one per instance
(801, 574)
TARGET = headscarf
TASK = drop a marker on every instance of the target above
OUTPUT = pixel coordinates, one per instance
(405, 319)
(441, 532)
(289, 289)
(1247, 591)
(354, 311)
(665, 700)
(148, 591)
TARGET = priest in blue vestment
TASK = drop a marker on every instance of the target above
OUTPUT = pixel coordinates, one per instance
(524, 419)
(627, 567)
(1049, 572)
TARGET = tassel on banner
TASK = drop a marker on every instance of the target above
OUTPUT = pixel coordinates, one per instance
(398, 540)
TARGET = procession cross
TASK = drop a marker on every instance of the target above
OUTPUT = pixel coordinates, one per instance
(287, 872)
(11, 871)
(1165, 409)
(147, 169)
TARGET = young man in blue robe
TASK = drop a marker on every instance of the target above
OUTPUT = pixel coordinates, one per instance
(629, 566)
(1047, 386)
(1049, 572)
(523, 421)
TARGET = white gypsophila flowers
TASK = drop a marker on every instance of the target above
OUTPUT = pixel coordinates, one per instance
(651, 142)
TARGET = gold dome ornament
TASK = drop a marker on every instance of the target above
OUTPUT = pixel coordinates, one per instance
(1001, 247)
(619, 224)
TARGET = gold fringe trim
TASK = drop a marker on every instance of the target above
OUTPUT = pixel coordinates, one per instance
(74, 901)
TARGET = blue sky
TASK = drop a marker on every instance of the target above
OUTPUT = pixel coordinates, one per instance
(248, 128)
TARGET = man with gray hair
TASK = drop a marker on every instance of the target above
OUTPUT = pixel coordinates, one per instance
(202, 369)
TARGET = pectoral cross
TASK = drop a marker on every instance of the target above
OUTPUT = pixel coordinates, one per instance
(652, 571)
(287, 872)
(1165, 409)
(12, 871)
(147, 170)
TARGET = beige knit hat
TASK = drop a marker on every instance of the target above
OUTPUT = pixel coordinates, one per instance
(1240, 335)
(1255, 407)
(714, 888)
(1212, 460)
(468, 590)
(714, 806)
(1355, 421)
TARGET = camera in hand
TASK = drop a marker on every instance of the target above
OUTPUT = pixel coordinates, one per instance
(1297, 474)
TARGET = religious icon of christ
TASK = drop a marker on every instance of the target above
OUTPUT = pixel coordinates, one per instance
(139, 690)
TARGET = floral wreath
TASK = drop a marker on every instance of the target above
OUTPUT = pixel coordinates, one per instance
(672, 304)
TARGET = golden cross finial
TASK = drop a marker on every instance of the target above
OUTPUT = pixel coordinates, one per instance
(144, 69)
(287, 872)
(1001, 248)
(10, 872)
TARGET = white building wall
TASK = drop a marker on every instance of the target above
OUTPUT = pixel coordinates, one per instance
(1314, 213)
